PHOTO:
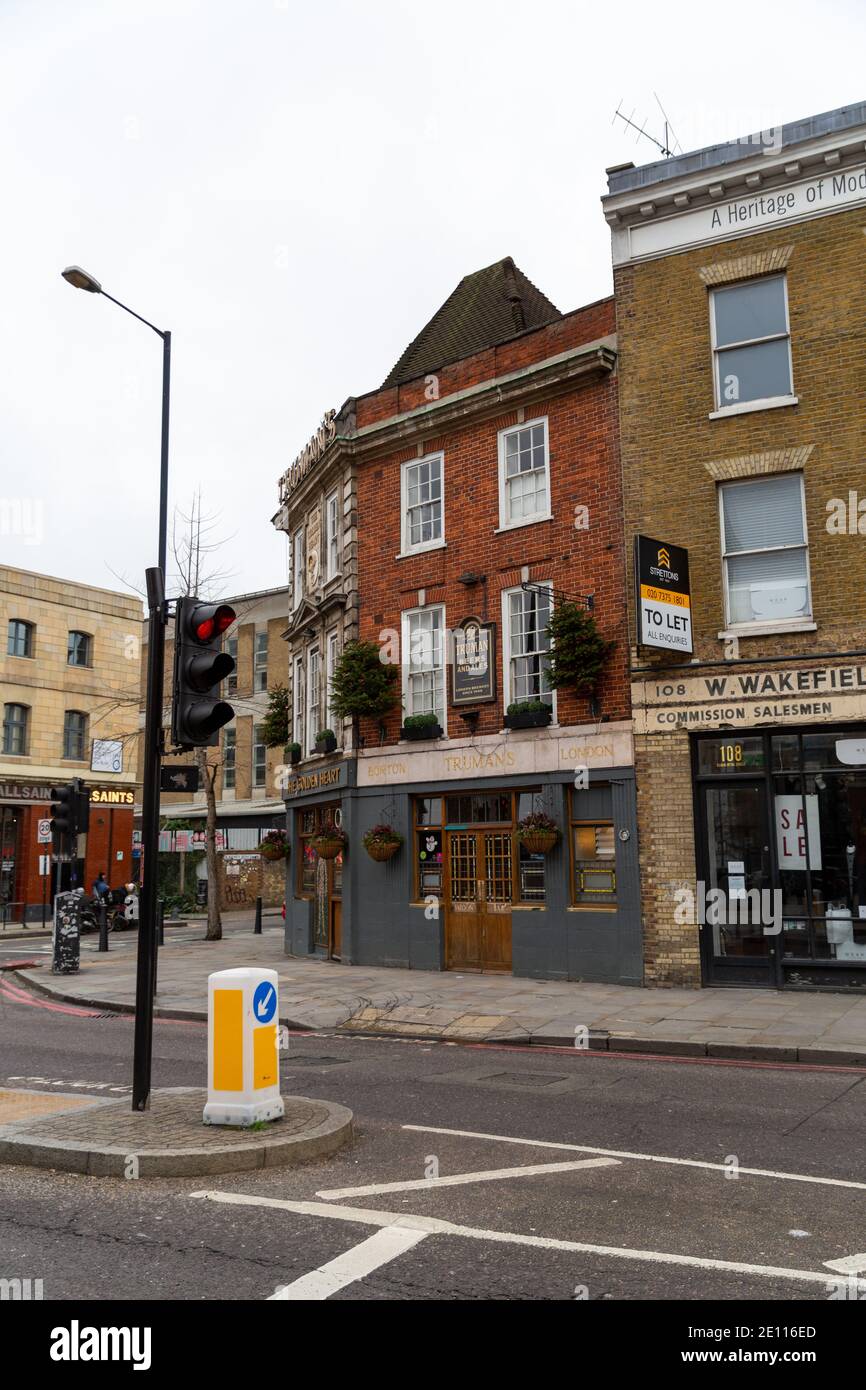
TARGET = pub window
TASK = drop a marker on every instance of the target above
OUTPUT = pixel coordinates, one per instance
(526, 614)
(79, 649)
(260, 662)
(524, 487)
(297, 567)
(309, 823)
(333, 652)
(423, 502)
(229, 753)
(20, 639)
(260, 756)
(530, 867)
(16, 719)
(74, 734)
(298, 687)
(332, 536)
(313, 690)
(751, 342)
(428, 847)
(765, 550)
(424, 662)
(593, 861)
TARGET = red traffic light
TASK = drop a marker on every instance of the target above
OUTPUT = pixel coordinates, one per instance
(214, 622)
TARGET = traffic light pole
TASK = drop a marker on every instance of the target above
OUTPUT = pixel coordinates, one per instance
(146, 965)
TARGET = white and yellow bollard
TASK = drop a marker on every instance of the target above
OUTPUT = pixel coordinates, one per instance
(243, 1069)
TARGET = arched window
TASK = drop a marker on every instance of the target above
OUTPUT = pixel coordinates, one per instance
(74, 735)
(79, 652)
(15, 722)
(20, 639)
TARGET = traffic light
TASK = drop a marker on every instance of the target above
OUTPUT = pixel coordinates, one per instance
(200, 666)
(70, 812)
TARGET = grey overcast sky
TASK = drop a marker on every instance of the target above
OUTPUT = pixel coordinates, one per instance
(293, 189)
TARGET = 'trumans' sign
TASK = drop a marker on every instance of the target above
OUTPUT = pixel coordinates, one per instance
(663, 595)
(310, 454)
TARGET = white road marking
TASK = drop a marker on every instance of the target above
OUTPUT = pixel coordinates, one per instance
(646, 1158)
(429, 1225)
(357, 1263)
(851, 1264)
(456, 1179)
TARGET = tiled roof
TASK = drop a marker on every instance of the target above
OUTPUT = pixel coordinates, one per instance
(487, 308)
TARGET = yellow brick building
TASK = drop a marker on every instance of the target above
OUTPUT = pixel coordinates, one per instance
(69, 679)
(741, 321)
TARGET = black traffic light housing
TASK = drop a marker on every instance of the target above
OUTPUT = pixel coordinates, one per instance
(200, 666)
(70, 813)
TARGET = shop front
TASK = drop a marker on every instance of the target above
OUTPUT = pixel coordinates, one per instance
(764, 885)
(781, 850)
(469, 889)
(317, 801)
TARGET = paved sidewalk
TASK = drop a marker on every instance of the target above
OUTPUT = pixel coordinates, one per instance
(314, 994)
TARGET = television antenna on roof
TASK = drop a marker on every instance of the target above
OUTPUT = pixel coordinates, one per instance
(668, 147)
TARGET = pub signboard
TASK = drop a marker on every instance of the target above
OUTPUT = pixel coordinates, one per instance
(474, 666)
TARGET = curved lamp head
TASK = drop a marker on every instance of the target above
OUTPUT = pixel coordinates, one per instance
(81, 280)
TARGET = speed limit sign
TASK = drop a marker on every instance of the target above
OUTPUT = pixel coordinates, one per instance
(44, 832)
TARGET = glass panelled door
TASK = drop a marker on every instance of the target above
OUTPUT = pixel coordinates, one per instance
(739, 934)
(478, 921)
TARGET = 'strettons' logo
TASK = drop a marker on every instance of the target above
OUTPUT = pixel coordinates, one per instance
(664, 557)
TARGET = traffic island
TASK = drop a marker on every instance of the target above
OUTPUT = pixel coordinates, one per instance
(108, 1139)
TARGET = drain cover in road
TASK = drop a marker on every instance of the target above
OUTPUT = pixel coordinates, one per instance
(524, 1078)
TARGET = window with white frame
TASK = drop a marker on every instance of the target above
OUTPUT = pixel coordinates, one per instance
(229, 752)
(230, 647)
(333, 652)
(297, 566)
(423, 501)
(260, 756)
(751, 342)
(765, 550)
(332, 536)
(260, 662)
(424, 662)
(526, 614)
(524, 485)
(313, 690)
(298, 691)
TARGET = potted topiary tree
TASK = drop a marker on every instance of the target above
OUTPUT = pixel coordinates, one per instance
(538, 832)
(329, 842)
(382, 842)
(578, 650)
(363, 685)
(326, 741)
(528, 714)
(292, 753)
(421, 726)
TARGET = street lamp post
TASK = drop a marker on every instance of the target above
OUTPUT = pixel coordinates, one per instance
(157, 618)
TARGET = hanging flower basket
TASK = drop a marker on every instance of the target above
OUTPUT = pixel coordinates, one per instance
(382, 842)
(330, 843)
(538, 833)
(274, 846)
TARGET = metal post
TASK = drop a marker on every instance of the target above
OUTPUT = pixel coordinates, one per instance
(103, 925)
(163, 460)
(145, 974)
(257, 929)
(162, 921)
(44, 898)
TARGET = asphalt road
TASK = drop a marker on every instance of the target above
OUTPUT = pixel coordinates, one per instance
(655, 1200)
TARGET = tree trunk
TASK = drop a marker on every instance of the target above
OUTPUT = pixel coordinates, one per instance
(208, 776)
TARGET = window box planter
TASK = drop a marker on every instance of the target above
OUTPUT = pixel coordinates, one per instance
(533, 717)
(292, 753)
(416, 732)
(382, 843)
(326, 742)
